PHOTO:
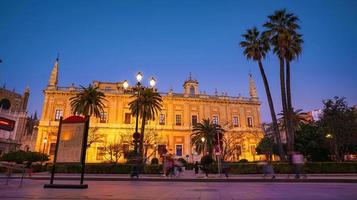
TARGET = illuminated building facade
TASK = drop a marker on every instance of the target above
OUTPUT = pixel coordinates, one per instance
(239, 116)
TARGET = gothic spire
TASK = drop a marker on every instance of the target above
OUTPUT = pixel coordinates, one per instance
(52, 83)
(252, 88)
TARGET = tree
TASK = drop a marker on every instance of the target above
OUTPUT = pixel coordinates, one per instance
(88, 102)
(94, 136)
(256, 47)
(311, 143)
(152, 138)
(209, 131)
(265, 147)
(113, 152)
(231, 151)
(298, 119)
(149, 104)
(339, 125)
(281, 28)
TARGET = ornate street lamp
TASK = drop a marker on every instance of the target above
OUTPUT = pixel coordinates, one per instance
(139, 87)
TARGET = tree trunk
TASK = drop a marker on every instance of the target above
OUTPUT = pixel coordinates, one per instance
(283, 101)
(289, 108)
(141, 147)
(272, 111)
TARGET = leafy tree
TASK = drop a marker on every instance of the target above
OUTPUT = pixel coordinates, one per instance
(256, 47)
(265, 147)
(311, 143)
(149, 103)
(281, 29)
(207, 130)
(298, 119)
(339, 124)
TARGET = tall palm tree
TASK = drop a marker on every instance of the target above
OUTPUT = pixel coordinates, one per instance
(149, 103)
(256, 47)
(280, 28)
(88, 102)
(209, 131)
(298, 118)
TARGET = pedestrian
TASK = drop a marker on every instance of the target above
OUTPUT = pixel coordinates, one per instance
(225, 168)
(196, 167)
(297, 160)
(28, 168)
(267, 169)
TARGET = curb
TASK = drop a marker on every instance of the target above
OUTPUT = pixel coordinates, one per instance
(241, 180)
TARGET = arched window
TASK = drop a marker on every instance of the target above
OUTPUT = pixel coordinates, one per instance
(192, 90)
(5, 104)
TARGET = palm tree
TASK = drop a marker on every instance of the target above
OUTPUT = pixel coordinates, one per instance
(88, 102)
(149, 103)
(256, 47)
(281, 27)
(298, 119)
(209, 131)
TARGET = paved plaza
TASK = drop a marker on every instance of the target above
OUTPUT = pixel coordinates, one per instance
(33, 189)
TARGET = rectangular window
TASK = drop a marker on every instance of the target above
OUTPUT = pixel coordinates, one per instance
(58, 115)
(194, 120)
(103, 117)
(179, 150)
(178, 120)
(100, 153)
(252, 150)
(162, 119)
(215, 120)
(127, 119)
(52, 149)
(235, 121)
(250, 121)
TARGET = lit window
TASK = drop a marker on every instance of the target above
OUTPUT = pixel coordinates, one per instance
(235, 121)
(100, 153)
(178, 120)
(194, 120)
(250, 121)
(215, 120)
(58, 115)
(179, 150)
(103, 117)
(162, 119)
(127, 119)
(52, 148)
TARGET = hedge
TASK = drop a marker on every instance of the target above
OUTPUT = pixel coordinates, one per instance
(286, 168)
(104, 168)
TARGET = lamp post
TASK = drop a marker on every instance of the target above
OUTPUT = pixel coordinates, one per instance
(43, 150)
(204, 144)
(138, 87)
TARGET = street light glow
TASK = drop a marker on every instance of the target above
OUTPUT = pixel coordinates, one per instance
(203, 139)
(152, 82)
(139, 76)
(126, 84)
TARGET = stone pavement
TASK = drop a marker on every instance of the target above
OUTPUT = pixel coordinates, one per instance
(189, 176)
(134, 190)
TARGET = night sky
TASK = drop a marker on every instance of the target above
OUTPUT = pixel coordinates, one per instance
(112, 40)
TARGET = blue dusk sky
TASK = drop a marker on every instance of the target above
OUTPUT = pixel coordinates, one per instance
(112, 40)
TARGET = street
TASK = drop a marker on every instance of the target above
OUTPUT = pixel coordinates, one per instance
(33, 189)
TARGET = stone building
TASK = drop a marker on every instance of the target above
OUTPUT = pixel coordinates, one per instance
(13, 118)
(240, 116)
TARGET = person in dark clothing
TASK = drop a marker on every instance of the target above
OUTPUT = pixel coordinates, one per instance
(134, 171)
(196, 167)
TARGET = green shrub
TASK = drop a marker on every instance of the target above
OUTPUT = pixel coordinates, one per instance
(243, 161)
(206, 160)
(154, 161)
(24, 156)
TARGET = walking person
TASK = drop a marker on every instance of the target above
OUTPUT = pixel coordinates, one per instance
(196, 167)
(297, 160)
